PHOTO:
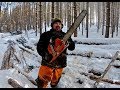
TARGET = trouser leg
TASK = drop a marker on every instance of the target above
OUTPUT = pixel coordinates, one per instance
(45, 75)
(56, 76)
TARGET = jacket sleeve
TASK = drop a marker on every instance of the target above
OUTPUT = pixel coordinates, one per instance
(71, 44)
(41, 45)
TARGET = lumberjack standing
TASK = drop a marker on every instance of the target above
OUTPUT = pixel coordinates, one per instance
(52, 71)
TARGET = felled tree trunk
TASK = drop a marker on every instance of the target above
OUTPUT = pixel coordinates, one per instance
(94, 77)
(104, 80)
(98, 73)
(88, 54)
(106, 69)
(116, 66)
(10, 52)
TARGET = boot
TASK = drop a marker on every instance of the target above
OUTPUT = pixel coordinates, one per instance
(56, 84)
(39, 82)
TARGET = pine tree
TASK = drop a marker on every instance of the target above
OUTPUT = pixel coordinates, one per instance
(107, 19)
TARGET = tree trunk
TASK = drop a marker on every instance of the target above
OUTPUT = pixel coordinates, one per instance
(117, 21)
(48, 14)
(79, 10)
(75, 16)
(0, 17)
(107, 19)
(61, 11)
(40, 17)
(45, 17)
(98, 10)
(72, 12)
(36, 19)
(83, 20)
(90, 15)
(65, 19)
(57, 9)
(28, 17)
(53, 13)
(87, 8)
(103, 6)
(20, 21)
(68, 15)
(112, 19)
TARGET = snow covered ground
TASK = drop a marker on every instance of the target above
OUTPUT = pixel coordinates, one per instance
(77, 62)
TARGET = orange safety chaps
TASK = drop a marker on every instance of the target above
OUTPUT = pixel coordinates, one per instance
(47, 74)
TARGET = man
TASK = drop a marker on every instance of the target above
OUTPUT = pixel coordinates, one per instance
(51, 72)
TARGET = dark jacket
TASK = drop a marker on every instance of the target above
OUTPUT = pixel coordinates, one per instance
(42, 50)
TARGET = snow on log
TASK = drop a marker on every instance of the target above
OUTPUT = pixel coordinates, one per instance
(30, 52)
(9, 56)
(97, 41)
(23, 42)
(94, 77)
(90, 54)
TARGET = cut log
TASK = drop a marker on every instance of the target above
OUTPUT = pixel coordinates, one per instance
(14, 83)
(116, 66)
(94, 77)
(98, 73)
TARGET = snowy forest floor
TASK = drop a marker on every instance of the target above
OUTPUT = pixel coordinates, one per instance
(91, 54)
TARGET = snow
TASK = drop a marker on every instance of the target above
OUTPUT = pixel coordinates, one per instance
(101, 49)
